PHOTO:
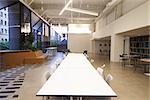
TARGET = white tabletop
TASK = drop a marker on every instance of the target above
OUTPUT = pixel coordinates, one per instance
(76, 77)
(145, 60)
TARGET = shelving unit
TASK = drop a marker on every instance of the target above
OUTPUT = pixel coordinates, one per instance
(140, 46)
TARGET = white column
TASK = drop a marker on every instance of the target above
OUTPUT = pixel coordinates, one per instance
(127, 45)
(116, 47)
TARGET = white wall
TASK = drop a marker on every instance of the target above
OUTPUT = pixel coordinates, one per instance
(137, 18)
(103, 45)
(79, 42)
(129, 5)
(79, 28)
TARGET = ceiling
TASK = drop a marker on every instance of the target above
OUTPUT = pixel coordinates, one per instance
(4, 3)
(50, 9)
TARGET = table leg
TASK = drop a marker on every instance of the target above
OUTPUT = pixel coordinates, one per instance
(80, 98)
(71, 98)
(145, 71)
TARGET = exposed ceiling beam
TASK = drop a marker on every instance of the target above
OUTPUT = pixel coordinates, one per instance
(77, 18)
(43, 12)
(50, 19)
(59, 6)
(63, 17)
(68, 3)
(34, 11)
(82, 11)
(31, 2)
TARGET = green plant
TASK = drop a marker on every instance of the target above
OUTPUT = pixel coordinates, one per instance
(30, 38)
(4, 45)
(33, 48)
(39, 44)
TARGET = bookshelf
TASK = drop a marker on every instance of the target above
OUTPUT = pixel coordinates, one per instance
(140, 45)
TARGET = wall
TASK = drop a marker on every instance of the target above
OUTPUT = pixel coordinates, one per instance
(102, 47)
(79, 42)
(134, 19)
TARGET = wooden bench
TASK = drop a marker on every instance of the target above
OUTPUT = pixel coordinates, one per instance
(13, 58)
(35, 58)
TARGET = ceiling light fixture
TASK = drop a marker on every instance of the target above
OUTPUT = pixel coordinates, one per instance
(69, 2)
(82, 11)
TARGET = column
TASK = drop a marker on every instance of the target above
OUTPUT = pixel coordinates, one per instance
(117, 43)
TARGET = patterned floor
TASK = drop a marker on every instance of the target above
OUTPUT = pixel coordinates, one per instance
(11, 80)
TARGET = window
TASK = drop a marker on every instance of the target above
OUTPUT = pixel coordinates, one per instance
(5, 22)
(5, 31)
(2, 39)
(1, 14)
(1, 22)
(6, 40)
(5, 9)
(2, 30)
(5, 16)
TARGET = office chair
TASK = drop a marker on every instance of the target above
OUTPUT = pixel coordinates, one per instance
(92, 60)
(85, 52)
(100, 71)
(47, 76)
(109, 77)
(103, 66)
(58, 61)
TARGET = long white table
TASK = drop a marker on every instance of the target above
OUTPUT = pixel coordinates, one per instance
(76, 77)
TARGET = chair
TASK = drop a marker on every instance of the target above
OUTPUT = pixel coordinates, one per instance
(47, 76)
(124, 59)
(85, 52)
(64, 56)
(103, 66)
(92, 60)
(100, 71)
(109, 78)
(53, 68)
(58, 61)
(86, 56)
(68, 50)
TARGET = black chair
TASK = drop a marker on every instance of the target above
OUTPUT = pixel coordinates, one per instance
(85, 52)
(124, 59)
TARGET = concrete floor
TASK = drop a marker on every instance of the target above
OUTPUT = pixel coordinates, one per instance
(127, 83)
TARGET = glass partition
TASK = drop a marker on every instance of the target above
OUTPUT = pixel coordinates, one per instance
(22, 29)
(14, 26)
(26, 35)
